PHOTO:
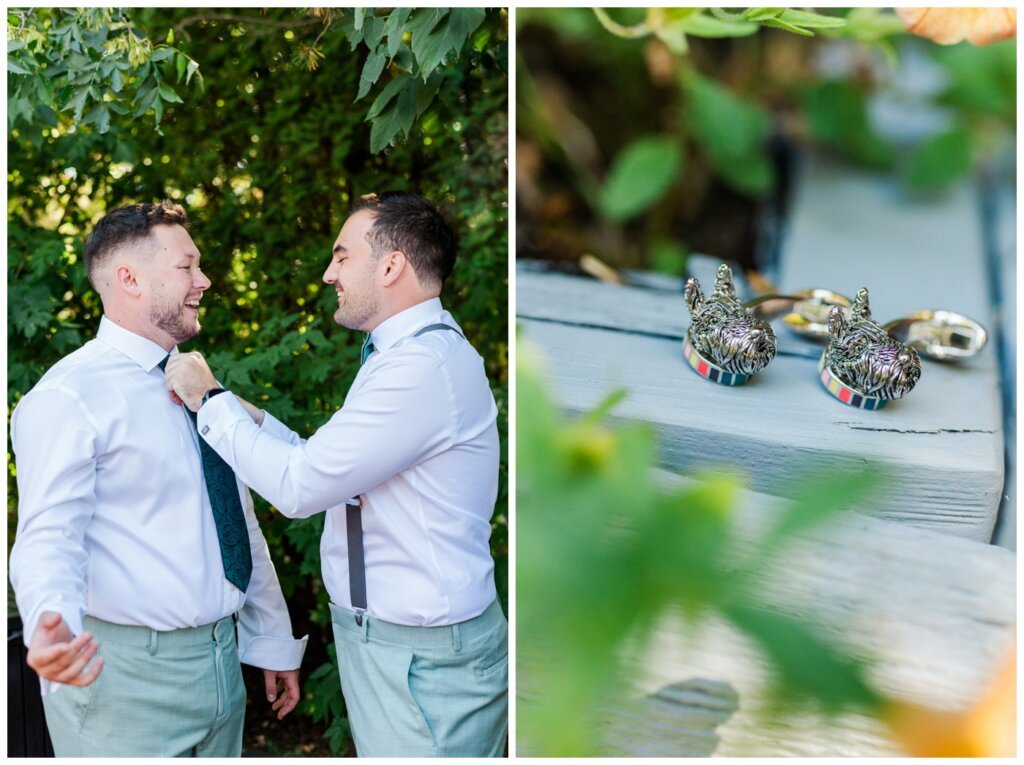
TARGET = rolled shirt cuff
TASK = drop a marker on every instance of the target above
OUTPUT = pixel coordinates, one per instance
(277, 653)
(71, 615)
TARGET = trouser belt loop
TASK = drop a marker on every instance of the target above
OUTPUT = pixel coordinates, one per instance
(153, 639)
(364, 626)
(456, 639)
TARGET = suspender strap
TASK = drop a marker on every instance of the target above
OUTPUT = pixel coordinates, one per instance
(354, 528)
(356, 564)
(435, 327)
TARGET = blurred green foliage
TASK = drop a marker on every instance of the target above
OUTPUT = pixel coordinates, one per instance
(604, 550)
(719, 93)
(267, 156)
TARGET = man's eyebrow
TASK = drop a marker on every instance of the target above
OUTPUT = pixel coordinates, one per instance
(339, 248)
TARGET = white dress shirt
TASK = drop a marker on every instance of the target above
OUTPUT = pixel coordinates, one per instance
(114, 519)
(417, 439)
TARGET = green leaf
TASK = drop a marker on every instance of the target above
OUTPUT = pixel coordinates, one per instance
(192, 67)
(394, 28)
(30, 308)
(116, 81)
(811, 20)
(170, 37)
(780, 24)
(77, 102)
(167, 94)
(668, 257)
(397, 117)
(383, 99)
(180, 62)
(162, 53)
(818, 500)
(640, 176)
(430, 47)
(702, 25)
(757, 14)
(940, 160)
(836, 113)
(372, 70)
(99, 115)
(359, 16)
(373, 31)
(15, 68)
(733, 133)
(808, 671)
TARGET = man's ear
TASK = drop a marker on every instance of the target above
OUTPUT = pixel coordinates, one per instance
(126, 280)
(394, 266)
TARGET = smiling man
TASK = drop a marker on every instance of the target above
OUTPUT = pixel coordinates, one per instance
(407, 472)
(131, 543)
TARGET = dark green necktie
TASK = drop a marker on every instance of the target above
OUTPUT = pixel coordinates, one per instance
(227, 511)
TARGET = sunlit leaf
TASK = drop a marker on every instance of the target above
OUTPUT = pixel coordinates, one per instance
(640, 175)
(939, 161)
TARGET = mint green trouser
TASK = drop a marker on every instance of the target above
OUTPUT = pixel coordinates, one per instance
(160, 694)
(425, 691)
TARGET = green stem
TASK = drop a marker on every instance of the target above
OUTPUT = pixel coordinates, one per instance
(630, 33)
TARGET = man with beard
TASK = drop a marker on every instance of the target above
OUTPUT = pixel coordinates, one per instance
(136, 554)
(422, 640)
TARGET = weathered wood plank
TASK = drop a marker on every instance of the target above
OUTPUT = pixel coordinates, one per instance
(936, 613)
(947, 467)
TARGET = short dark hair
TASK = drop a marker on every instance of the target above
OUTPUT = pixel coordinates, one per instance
(128, 224)
(411, 224)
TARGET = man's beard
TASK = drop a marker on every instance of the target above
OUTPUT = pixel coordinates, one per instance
(356, 314)
(175, 323)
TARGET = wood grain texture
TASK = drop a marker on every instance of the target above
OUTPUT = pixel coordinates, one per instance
(935, 613)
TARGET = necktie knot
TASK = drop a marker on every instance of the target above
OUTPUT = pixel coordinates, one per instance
(163, 362)
(368, 348)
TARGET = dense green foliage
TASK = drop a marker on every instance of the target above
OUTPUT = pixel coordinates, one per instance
(714, 99)
(266, 154)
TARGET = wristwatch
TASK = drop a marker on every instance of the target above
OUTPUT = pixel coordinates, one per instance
(210, 394)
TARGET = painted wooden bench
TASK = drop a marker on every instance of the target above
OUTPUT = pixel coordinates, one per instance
(911, 580)
(943, 443)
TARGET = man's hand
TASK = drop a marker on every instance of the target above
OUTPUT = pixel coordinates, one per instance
(55, 654)
(189, 378)
(282, 690)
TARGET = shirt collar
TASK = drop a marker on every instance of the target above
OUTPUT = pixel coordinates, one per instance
(404, 323)
(139, 349)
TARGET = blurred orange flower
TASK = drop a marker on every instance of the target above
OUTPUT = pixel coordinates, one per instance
(987, 729)
(979, 26)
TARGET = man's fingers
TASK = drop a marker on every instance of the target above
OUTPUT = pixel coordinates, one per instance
(270, 681)
(42, 658)
(285, 704)
(49, 619)
(74, 669)
(87, 677)
(290, 694)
